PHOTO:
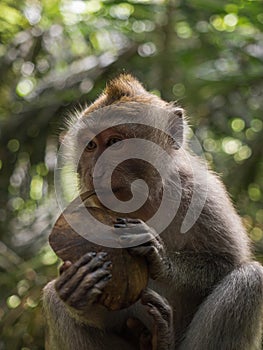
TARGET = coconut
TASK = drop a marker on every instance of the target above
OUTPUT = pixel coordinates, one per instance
(129, 273)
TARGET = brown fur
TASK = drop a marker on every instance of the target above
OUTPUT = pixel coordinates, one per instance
(123, 89)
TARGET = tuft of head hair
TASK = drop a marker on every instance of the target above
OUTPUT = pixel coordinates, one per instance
(124, 88)
(124, 85)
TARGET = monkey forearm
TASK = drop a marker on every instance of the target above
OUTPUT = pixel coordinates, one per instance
(65, 330)
(231, 315)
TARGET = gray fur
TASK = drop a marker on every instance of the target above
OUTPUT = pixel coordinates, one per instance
(206, 275)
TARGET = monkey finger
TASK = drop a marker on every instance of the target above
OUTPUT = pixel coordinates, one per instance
(135, 224)
(134, 239)
(85, 259)
(98, 261)
(151, 297)
(83, 302)
(162, 332)
(75, 271)
(129, 220)
(137, 230)
(64, 266)
(162, 325)
(150, 242)
(71, 270)
(67, 286)
(88, 293)
(153, 256)
(86, 278)
(148, 251)
(158, 239)
(90, 280)
(132, 228)
(118, 225)
(163, 337)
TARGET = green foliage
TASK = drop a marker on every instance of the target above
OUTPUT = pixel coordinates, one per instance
(205, 54)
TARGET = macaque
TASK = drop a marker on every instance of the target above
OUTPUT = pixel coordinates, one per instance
(205, 290)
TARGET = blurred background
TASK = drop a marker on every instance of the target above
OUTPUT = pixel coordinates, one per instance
(56, 55)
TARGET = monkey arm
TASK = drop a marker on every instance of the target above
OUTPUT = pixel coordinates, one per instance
(188, 269)
(74, 320)
(133, 232)
(66, 331)
(162, 314)
(230, 317)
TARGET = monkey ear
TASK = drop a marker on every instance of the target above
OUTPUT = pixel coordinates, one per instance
(176, 126)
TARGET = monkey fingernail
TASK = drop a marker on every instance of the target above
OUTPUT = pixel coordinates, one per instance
(107, 264)
(121, 220)
(65, 266)
(108, 277)
(102, 255)
(150, 309)
(120, 225)
(124, 238)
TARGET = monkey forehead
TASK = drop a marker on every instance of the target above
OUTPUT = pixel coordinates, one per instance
(128, 114)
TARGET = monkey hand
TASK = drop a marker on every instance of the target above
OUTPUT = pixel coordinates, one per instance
(161, 337)
(161, 312)
(134, 232)
(80, 284)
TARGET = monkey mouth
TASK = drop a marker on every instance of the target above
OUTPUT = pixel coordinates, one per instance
(121, 193)
(91, 198)
(106, 191)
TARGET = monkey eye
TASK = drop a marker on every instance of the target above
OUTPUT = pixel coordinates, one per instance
(114, 141)
(91, 146)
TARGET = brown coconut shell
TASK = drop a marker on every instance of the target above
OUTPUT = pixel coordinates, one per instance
(129, 273)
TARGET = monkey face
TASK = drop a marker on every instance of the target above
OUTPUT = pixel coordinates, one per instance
(124, 148)
(107, 164)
